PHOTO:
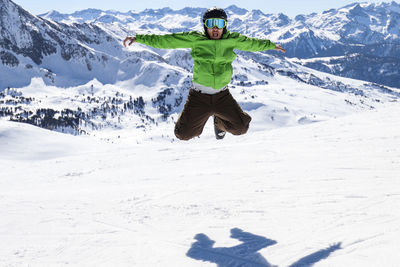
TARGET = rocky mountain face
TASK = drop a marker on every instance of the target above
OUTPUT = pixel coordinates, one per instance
(62, 54)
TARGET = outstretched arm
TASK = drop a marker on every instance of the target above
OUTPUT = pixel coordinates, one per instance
(280, 48)
(130, 40)
(167, 41)
(245, 43)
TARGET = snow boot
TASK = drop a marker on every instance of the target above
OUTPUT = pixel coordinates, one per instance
(219, 134)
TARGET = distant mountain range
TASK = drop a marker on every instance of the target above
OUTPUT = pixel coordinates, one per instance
(362, 38)
(359, 41)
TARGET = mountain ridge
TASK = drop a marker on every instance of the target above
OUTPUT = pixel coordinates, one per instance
(373, 27)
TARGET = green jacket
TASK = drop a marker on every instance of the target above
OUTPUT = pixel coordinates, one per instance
(212, 58)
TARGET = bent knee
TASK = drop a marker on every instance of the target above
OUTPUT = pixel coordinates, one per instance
(240, 131)
(185, 135)
(242, 128)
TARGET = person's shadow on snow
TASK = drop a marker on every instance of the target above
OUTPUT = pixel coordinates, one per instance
(246, 254)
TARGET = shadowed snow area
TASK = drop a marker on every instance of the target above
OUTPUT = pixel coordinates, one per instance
(246, 254)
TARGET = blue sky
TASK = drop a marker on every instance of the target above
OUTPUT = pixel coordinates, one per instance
(289, 7)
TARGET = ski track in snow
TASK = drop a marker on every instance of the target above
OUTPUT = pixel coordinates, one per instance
(322, 194)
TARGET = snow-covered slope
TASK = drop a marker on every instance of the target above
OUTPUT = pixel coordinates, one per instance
(324, 193)
(274, 92)
(77, 77)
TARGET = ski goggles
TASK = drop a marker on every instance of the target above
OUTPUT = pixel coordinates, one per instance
(211, 23)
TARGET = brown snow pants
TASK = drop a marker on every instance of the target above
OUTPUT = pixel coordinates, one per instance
(199, 107)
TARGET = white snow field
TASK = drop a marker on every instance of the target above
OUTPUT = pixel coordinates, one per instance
(320, 194)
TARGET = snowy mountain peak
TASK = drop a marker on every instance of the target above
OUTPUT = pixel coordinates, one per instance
(371, 7)
(53, 15)
(233, 9)
(395, 7)
(157, 12)
(88, 12)
(357, 10)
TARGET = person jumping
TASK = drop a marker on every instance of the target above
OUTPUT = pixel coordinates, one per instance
(213, 54)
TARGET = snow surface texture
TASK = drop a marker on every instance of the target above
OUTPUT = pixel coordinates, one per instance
(321, 194)
(313, 182)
